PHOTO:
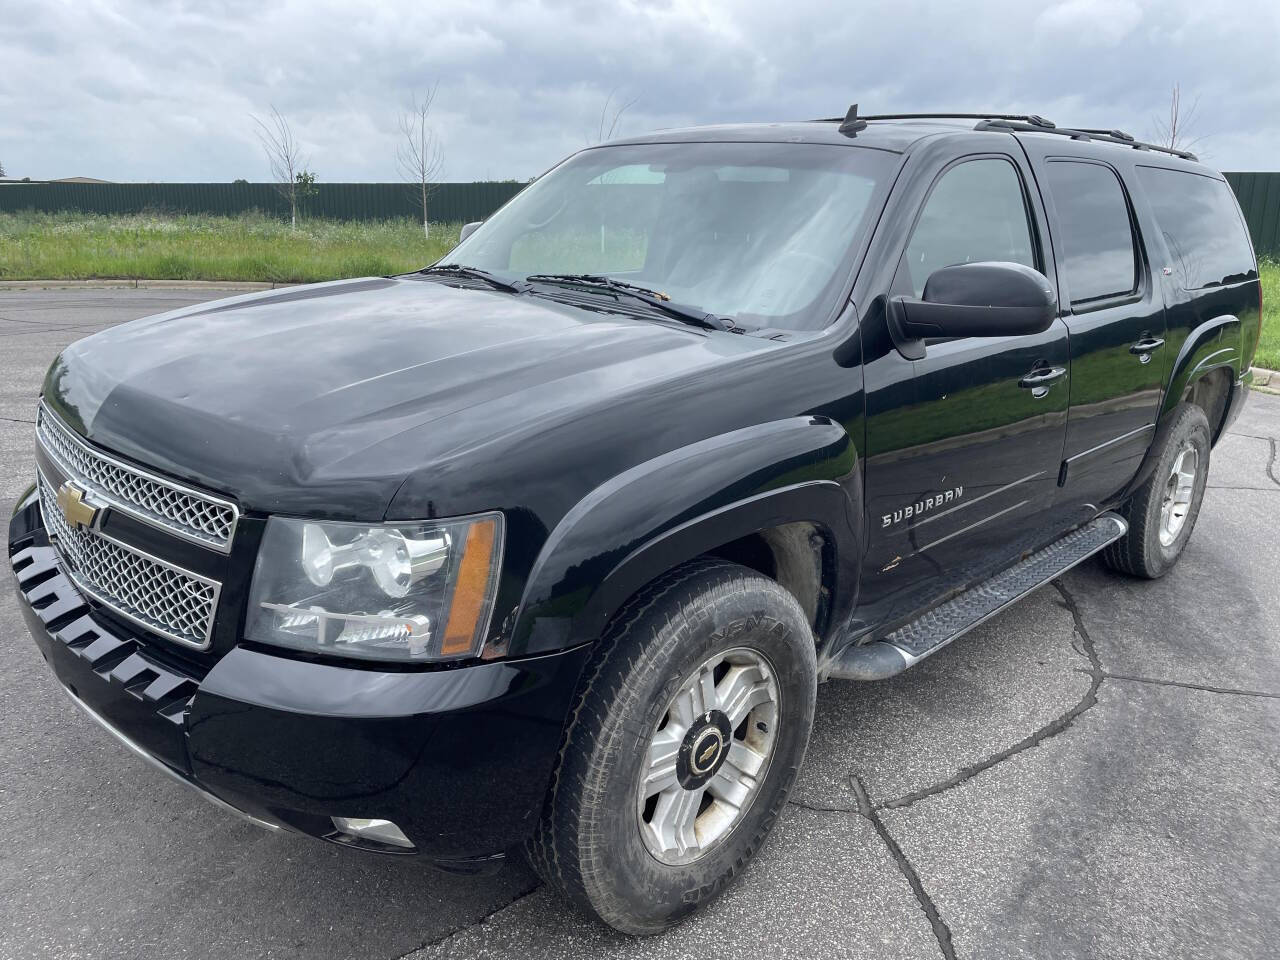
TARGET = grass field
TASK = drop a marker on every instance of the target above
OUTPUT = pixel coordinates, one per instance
(80, 247)
(1269, 344)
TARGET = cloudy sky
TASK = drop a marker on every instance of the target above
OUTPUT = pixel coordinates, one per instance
(136, 90)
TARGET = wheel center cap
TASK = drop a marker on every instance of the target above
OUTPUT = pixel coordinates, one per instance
(703, 750)
(706, 751)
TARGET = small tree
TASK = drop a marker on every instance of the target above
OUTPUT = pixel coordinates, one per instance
(2, 173)
(284, 155)
(1175, 132)
(609, 120)
(305, 186)
(420, 155)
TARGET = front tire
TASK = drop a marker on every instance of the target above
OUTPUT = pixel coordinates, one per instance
(1163, 511)
(692, 722)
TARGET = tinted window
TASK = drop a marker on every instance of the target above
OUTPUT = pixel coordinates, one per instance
(1098, 253)
(1201, 227)
(975, 212)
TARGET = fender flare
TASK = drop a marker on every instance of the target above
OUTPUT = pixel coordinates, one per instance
(661, 513)
(1209, 346)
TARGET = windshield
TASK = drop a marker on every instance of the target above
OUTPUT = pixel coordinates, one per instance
(756, 232)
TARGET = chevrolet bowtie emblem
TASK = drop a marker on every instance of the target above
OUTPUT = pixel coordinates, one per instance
(78, 510)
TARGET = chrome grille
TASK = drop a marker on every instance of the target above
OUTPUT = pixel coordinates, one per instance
(163, 503)
(173, 602)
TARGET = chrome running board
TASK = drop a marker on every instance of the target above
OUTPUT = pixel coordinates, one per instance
(926, 635)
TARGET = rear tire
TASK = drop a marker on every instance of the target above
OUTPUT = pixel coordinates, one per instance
(691, 724)
(1163, 511)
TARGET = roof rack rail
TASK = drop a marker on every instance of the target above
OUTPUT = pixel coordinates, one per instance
(1118, 134)
(1031, 118)
(1106, 136)
(1026, 117)
(851, 123)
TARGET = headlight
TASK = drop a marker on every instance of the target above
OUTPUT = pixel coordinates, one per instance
(416, 591)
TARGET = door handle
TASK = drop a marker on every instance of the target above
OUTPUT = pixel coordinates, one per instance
(1039, 380)
(1145, 347)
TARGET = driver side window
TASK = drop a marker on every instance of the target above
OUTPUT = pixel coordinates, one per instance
(975, 212)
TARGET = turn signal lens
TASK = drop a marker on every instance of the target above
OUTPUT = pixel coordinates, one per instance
(475, 585)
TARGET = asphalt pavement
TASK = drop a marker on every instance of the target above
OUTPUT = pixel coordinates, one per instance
(1093, 773)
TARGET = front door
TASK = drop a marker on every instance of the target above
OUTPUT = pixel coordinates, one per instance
(962, 464)
(1115, 315)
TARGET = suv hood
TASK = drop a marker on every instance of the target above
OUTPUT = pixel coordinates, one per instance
(321, 400)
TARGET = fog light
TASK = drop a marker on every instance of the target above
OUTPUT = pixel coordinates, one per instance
(380, 831)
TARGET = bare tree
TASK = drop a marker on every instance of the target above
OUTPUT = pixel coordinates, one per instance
(2, 173)
(285, 156)
(1176, 130)
(420, 155)
(608, 124)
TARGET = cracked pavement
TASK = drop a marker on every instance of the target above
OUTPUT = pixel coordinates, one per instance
(1092, 773)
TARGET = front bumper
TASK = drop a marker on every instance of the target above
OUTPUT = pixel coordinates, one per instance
(458, 758)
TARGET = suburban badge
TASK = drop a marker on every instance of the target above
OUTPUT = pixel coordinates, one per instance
(931, 502)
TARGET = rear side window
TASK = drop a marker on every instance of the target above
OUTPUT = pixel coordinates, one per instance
(1201, 227)
(975, 212)
(1098, 252)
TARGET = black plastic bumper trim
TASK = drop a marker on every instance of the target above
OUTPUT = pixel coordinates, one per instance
(164, 768)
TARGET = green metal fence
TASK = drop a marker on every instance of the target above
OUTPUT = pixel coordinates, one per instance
(448, 203)
(1259, 195)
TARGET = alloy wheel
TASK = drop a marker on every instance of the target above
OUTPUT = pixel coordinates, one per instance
(1179, 491)
(708, 755)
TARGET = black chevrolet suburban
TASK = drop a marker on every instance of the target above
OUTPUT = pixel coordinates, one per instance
(547, 547)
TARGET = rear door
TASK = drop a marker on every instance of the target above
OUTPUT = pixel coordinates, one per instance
(1115, 316)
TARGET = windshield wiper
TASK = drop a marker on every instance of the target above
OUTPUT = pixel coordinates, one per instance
(654, 298)
(474, 273)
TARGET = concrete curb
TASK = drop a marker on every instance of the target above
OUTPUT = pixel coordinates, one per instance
(1265, 381)
(139, 285)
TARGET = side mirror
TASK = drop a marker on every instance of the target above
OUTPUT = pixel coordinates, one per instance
(468, 229)
(989, 299)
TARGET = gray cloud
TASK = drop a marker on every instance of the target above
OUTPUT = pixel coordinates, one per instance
(163, 91)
